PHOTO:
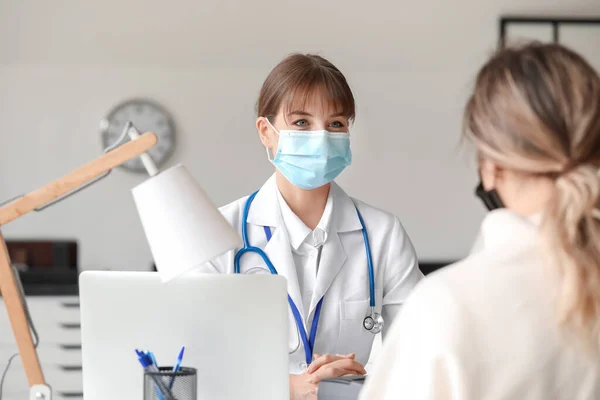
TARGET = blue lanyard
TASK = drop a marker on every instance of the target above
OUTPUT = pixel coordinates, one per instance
(308, 340)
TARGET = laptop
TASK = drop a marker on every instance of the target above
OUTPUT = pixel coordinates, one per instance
(234, 329)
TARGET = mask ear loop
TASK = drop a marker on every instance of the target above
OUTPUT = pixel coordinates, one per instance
(269, 151)
(269, 154)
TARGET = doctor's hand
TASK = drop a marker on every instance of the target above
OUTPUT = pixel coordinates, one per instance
(301, 388)
(330, 366)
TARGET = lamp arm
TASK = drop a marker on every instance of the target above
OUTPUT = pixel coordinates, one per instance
(76, 178)
(34, 200)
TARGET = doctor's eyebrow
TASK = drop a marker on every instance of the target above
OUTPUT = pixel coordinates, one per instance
(307, 114)
(300, 113)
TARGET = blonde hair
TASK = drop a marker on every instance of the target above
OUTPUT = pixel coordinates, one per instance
(536, 109)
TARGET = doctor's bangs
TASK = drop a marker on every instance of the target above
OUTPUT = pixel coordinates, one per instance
(298, 79)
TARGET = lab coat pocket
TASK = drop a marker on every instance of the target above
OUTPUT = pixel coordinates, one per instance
(353, 337)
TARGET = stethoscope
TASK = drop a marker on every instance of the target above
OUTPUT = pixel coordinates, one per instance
(372, 322)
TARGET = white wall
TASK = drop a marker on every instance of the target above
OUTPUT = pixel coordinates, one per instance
(64, 64)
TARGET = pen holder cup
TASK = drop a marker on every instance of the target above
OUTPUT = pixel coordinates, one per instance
(168, 385)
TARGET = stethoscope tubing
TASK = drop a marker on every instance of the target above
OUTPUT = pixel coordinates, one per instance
(308, 340)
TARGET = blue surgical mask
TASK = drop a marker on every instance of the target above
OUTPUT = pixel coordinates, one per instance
(311, 159)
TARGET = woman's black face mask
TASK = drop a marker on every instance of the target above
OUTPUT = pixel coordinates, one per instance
(490, 198)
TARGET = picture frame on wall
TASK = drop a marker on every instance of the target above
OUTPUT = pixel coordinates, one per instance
(579, 34)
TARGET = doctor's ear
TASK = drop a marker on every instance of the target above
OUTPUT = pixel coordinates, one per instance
(264, 132)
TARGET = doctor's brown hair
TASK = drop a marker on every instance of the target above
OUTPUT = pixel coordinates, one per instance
(296, 78)
(536, 109)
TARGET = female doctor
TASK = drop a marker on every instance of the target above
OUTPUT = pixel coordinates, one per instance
(349, 266)
(520, 317)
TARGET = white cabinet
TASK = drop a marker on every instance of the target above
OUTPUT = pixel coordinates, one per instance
(57, 321)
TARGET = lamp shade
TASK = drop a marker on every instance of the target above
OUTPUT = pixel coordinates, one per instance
(183, 227)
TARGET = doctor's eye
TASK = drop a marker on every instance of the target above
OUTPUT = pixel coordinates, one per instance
(337, 124)
(301, 123)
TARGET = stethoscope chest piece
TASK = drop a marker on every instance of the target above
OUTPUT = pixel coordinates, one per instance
(373, 322)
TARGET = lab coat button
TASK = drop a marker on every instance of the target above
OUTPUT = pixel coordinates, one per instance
(319, 237)
(303, 366)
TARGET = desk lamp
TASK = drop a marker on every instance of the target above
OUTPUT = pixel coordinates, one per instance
(183, 227)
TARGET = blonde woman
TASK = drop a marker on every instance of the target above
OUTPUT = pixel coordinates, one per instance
(519, 319)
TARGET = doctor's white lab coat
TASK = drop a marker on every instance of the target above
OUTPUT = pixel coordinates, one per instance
(486, 329)
(343, 277)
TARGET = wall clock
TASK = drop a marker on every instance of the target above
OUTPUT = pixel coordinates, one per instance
(146, 115)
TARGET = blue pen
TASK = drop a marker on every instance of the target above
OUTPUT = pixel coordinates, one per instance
(151, 355)
(160, 387)
(177, 366)
(141, 358)
(148, 366)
